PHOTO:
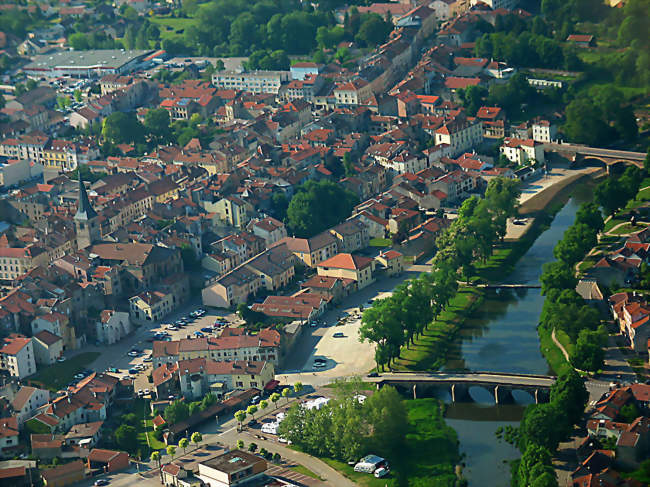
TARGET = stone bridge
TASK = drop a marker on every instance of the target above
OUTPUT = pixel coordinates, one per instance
(609, 157)
(500, 385)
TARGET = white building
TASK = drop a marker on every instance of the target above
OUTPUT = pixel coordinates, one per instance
(461, 135)
(112, 326)
(253, 81)
(27, 400)
(442, 9)
(544, 131)
(17, 356)
(270, 229)
(352, 93)
(497, 4)
(522, 151)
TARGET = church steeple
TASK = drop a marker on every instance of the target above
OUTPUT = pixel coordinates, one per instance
(85, 210)
(86, 220)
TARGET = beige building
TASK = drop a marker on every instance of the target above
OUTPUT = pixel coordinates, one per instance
(460, 135)
(112, 326)
(314, 250)
(349, 266)
(57, 324)
(15, 262)
(150, 306)
(232, 288)
(392, 261)
(522, 151)
(47, 347)
(352, 93)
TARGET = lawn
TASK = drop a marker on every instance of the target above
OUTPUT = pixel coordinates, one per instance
(171, 27)
(629, 228)
(57, 376)
(380, 242)
(430, 454)
(429, 351)
(552, 353)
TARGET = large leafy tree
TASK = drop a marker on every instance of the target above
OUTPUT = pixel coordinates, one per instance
(122, 128)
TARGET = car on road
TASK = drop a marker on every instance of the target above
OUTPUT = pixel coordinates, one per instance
(172, 328)
(373, 374)
(149, 358)
(99, 482)
(114, 370)
(147, 392)
(338, 334)
(61, 359)
(133, 371)
(133, 354)
(199, 334)
(206, 329)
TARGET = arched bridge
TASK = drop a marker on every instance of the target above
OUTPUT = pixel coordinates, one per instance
(609, 157)
(458, 383)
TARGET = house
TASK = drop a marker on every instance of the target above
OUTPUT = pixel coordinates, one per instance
(522, 151)
(165, 379)
(107, 460)
(333, 288)
(66, 474)
(112, 326)
(302, 306)
(199, 376)
(312, 251)
(150, 306)
(581, 40)
(461, 135)
(27, 400)
(633, 315)
(544, 131)
(47, 347)
(352, 93)
(8, 435)
(231, 469)
(270, 229)
(17, 356)
(84, 434)
(58, 324)
(352, 235)
(349, 266)
(392, 262)
(233, 288)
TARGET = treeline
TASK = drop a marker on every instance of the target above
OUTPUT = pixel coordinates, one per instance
(510, 96)
(564, 309)
(397, 320)
(614, 193)
(542, 428)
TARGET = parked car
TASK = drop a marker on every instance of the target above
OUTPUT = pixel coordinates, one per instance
(381, 472)
(99, 482)
(199, 334)
(60, 359)
(114, 370)
(206, 329)
(338, 334)
(373, 374)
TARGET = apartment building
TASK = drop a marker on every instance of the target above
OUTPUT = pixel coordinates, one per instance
(15, 262)
(251, 81)
(522, 151)
(460, 134)
(17, 356)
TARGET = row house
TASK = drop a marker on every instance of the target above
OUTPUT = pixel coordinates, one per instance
(31, 147)
(15, 262)
(251, 81)
(353, 92)
(303, 306)
(456, 185)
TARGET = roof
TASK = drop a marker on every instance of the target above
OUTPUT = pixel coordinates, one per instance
(97, 58)
(47, 337)
(22, 397)
(103, 456)
(233, 461)
(580, 38)
(346, 261)
(62, 471)
(14, 344)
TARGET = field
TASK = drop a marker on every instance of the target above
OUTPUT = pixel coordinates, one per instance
(430, 455)
(380, 242)
(57, 376)
(170, 27)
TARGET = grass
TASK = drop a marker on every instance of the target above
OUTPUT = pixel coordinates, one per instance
(305, 471)
(429, 456)
(380, 242)
(564, 339)
(153, 442)
(171, 27)
(552, 353)
(57, 376)
(629, 228)
(429, 351)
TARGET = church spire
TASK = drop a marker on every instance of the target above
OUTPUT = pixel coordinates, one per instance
(85, 210)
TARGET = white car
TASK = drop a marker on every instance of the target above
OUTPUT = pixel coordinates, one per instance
(381, 472)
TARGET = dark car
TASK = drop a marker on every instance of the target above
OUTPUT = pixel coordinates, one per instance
(133, 371)
(252, 423)
(206, 329)
(373, 374)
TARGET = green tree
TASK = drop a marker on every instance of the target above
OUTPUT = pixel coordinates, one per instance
(285, 393)
(297, 388)
(578, 239)
(373, 31)
(588, 353)
(533, 455)
(183, 443)
(126, 437)
(544, 425)
(251, 410)
(176, 412)
(628, 413)
(557, 275)
(171, 450)
(155, 457)
(156, 123)
(275, 397)
(610, 195)
(590, 215)
(240, 416)
(570, 393)
(196, 438)
(387, 413)
(240, 444)
(121, 128)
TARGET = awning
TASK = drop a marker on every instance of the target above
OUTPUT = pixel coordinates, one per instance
(271, 385)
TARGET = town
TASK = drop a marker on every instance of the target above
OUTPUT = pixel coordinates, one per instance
(255, 243)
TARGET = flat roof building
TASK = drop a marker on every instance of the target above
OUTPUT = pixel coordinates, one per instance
(85, 64)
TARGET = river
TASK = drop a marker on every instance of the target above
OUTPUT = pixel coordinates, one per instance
(502, 337)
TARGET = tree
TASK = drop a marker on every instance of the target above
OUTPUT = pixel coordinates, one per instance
(77, 95)
(590, 215)
(275, 397)
(584, 122)
(544, 425)
(577, 241)
(183, 443)
(251, 410)
(387, 413)
(240, 444)
(156, 123)
(155, 457)
(610, 195)
(532, 456)
(472, 98)
(121, 128)
(373, 31)
(263, 404)
(285, 393)
(308, 215)
(557, 275)
(628, 413)
(176, 412)
(196, 438)
(570, 392)
(588, 353)
(171, 450)
(240, 416)
(126, 437)
(297, 388)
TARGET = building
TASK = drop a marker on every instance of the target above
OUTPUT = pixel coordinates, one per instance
(349, 266)
(544, 131)
(150, 306)
(312, 251)
(17, 356)
(522, 151)
(58, 324)
(66, 474)
(199, 376)
(14, 172)
(231, 469)
(633, 315)
(270, 229)
(107, 460)
(16, 261)
(352, 93)
(8, 435)
(232, 289)
(252, 81)
(352, 235)
(392, 261)
(85, 64)
(27, 400)
(47, 347)
(461, 135)
(112, 326)
(86, 220)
